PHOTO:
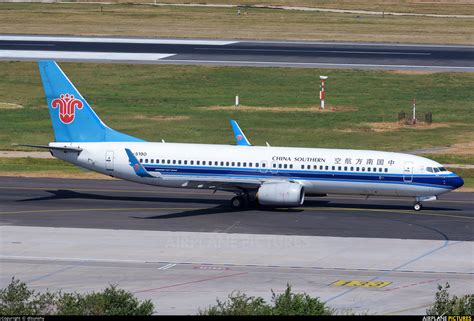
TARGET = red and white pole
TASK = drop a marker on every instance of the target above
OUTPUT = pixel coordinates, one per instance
(321, 93)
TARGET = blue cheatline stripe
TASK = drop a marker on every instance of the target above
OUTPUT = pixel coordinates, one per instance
(232, 172)
(282, 171)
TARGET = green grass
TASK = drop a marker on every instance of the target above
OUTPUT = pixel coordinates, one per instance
(123, 95)
(466, 174)
(451, 158)
(27, 164)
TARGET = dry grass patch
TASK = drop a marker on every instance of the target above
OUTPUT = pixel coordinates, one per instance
(411, 72)
(462, 7)
(387, 127)
(162, 118)
(392, 126)
(310, 109)
(10, 106)
(466, 148)
(223, 23)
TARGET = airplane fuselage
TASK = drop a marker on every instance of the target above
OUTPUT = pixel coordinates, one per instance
(320, 171)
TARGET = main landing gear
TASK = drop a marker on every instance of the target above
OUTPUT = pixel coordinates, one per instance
(243, 200)
(417, 206)
(237, 202)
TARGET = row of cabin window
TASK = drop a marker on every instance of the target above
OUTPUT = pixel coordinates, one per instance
(209, 163)
(274, 165)
(346, 168)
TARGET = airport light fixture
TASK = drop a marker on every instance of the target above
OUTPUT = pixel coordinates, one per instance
(321, 93)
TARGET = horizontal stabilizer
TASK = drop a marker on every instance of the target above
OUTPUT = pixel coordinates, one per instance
(64, 148)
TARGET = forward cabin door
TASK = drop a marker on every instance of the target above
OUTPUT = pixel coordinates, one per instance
(408, 172)
(109, 160)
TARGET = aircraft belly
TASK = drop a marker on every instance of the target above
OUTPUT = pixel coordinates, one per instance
(354, 188)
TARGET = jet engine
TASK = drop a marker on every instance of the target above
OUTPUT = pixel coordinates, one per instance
(281, 194)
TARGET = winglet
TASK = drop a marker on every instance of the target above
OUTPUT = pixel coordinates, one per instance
(239, 134)
(137, 167)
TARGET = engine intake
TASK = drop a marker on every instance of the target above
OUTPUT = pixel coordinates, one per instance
(283, 194)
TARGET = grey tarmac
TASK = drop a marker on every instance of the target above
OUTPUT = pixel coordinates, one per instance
(116, 204)
(184, 248)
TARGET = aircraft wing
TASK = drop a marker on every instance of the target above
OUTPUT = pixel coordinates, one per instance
(239, 134)
(244, 184)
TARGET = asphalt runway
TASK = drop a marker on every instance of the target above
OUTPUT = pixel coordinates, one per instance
(115, 204)
(241, 53)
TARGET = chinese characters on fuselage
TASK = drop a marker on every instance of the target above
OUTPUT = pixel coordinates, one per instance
(337, 160)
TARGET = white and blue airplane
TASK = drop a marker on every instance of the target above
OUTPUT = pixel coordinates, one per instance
(271, 176)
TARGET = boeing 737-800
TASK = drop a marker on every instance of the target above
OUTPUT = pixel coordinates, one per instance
(273, 176)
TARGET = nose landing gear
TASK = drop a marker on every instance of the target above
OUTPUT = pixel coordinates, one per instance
(417, 206)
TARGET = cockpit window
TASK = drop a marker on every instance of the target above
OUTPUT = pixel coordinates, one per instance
(429, 169)
(442, 169)
(436, 170)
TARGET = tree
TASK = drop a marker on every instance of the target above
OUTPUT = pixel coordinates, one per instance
(446, 305)
(238, 303)
(286, 303)
(111, 301)
(17, 299)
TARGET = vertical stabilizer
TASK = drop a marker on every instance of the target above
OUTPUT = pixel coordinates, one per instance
(72, 117)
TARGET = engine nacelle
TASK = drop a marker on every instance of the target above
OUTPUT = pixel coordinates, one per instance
(284, 194)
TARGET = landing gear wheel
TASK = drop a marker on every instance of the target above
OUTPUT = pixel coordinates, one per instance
(237, 202)
(417, 207)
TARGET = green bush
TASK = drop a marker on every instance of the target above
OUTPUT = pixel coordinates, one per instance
(111, 301)
(17, 299)
(286, 303)
(446, 305)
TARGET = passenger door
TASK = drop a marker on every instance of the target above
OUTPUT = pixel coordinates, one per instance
(408, 172)
(109, 160)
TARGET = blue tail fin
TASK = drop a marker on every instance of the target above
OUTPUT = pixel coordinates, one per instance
(239, 134)
(72, 117)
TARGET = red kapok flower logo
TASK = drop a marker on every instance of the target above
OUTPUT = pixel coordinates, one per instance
(67, 107)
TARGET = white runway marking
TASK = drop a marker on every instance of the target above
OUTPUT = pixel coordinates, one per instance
(27, 45)
(316, 64)
(120, 40)
(323, 51)
(166, 267)
(81, 55)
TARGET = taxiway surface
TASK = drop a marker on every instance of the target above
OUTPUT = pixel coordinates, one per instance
(115, 204)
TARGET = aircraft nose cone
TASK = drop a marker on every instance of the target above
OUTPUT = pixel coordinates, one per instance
(457, 182)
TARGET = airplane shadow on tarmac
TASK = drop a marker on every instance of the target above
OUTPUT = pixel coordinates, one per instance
(68, 194)
(223, 204)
